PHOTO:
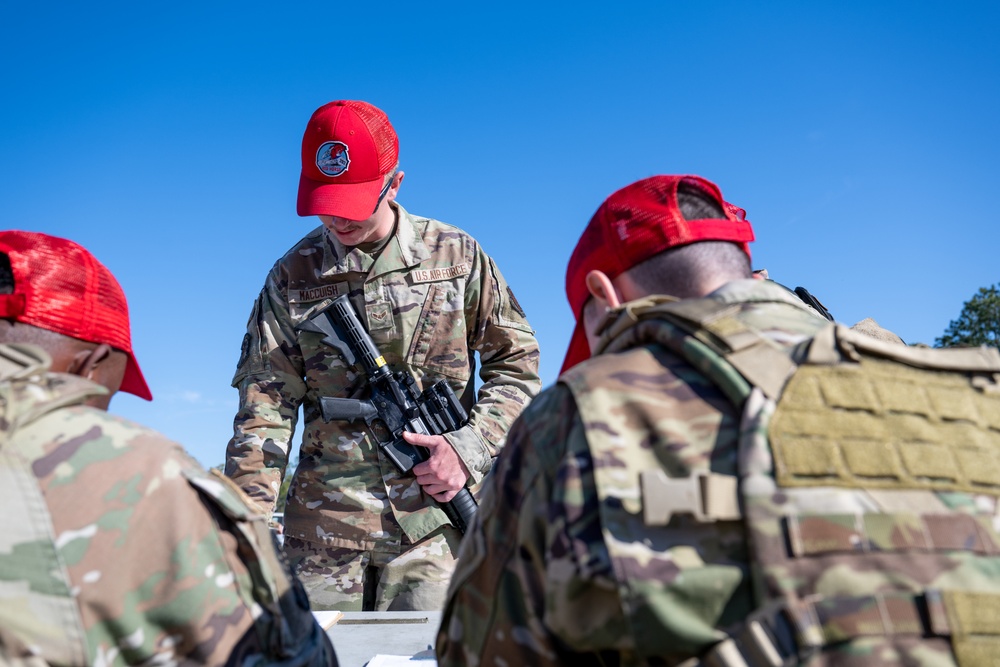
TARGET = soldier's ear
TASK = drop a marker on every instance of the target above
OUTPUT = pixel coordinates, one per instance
(397, 180)
(85, 362)
(101, 364)
(603, 290)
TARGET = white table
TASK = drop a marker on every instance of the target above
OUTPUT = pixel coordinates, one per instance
(361, 635)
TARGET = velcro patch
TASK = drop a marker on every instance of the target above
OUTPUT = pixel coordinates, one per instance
(845, 426)
(317, 293)
(418, 276)
(379, 316)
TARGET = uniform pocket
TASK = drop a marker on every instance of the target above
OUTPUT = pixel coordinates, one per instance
(440, 342)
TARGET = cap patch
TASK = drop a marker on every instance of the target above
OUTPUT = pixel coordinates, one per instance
(332, 158)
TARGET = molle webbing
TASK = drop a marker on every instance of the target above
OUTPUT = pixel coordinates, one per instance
(816, 534)
(859, 415)
(858, 412)
(831, 419)
(790, 633)
(880, 424)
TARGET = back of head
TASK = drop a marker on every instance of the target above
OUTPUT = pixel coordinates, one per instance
(694, 269)
(650, 217)
(57, 286)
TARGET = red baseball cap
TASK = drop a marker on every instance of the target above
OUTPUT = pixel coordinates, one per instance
(347, 150)
(633, 224)
(61, 287)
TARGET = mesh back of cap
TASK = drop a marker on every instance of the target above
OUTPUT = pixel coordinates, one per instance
(386, 141)
(73, 294)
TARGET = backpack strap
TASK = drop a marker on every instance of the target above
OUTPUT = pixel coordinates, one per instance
(708, 329)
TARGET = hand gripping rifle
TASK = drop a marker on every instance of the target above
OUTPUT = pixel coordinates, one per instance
(395, 401)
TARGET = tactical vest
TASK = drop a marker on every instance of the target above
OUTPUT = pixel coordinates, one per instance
(45, 613)
(868, 481)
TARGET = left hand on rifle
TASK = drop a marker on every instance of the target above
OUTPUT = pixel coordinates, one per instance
(443, 474)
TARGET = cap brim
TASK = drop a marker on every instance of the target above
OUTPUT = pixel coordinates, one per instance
(134, 382)
(579, 348)
(354, 201)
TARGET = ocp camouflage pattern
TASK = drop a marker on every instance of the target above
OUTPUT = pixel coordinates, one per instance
(334, 577)
(117, 548)
(429, 299)
(561, 568)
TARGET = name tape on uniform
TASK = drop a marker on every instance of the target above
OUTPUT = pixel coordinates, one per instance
(444, 273)
(317, 293)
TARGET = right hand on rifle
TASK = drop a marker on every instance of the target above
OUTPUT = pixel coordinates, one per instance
(443, 474)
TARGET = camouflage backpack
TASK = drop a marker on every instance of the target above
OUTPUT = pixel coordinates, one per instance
(869, 474)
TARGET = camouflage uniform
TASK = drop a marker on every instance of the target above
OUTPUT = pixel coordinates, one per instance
(575, 558)
(116, 548)
(429, 298)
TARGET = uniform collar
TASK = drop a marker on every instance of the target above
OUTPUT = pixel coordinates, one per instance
(750, 290)
(405, 249)
(754, 290)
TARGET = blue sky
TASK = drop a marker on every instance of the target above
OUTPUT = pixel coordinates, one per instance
(861, 137)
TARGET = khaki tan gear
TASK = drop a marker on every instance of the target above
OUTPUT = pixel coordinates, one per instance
(843, 411)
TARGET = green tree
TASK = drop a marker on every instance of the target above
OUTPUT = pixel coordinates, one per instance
(978, 323)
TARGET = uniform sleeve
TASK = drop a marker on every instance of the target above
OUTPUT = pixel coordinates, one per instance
(508, 353)
(269, 377)
(284, 630)
(172, 565)
(535, 544)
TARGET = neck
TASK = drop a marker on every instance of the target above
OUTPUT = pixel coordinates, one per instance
(385, 219)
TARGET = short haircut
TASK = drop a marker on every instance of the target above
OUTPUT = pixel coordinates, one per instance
(681, 271)
(6, 275)
(11, 333)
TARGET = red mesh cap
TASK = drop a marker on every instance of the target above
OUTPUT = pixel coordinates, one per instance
(61, 287)
(635, 223)
(347, 150)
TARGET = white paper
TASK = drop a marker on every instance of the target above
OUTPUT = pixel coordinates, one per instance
(383, 660)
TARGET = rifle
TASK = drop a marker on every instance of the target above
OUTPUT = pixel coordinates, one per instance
(395, 402)
(813, 302)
